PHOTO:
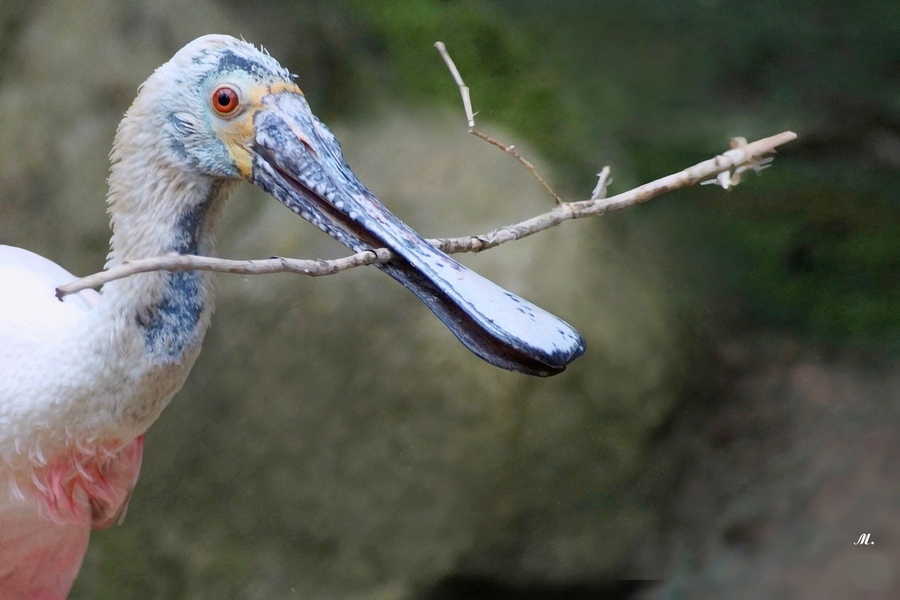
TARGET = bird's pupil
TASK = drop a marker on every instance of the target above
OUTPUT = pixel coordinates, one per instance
(224, 99)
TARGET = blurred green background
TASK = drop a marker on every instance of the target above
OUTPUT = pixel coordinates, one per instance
(728, 430)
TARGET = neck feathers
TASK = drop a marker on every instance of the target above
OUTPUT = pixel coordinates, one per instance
(158, 203)
(159, 206)
(147, 329)
(119, 365)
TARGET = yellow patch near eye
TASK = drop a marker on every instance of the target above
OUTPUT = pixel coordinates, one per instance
(237, 137)
(285, 86)
(242, 159)
(238, 134)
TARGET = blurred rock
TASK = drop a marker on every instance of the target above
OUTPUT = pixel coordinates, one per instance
(775, 482)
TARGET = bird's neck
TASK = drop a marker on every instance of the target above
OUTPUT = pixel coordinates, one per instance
(121, 364)
(156, 209)
(157, 204)
(147, 329)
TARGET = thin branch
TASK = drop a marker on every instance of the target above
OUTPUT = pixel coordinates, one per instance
(470, 119)
(740, 158)
(734, 160)
(191, 262)
(463, 88)
(725, 169)
(603, 180)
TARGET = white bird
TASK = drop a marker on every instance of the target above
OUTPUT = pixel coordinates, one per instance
(82, 379)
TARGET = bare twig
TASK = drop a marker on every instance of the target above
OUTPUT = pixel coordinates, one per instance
(470, 119)
(728, 179)
(463, 88)
(603, 180)
(725, 169)
(734, 159)
(191, 262)
(740, 158)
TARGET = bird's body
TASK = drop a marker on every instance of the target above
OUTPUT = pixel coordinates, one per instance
(56, 482)
(82, 379)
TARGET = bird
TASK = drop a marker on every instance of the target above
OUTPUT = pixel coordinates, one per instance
(82, 378)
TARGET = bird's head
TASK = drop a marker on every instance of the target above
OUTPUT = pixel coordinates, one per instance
(206, 99)
(227, 111)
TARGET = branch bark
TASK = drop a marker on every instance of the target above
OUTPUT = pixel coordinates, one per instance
(724, 170)
(470, 120)
(742, 157)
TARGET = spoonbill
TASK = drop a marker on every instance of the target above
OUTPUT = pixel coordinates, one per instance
(81, 379)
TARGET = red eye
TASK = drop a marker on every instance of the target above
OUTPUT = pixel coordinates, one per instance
(225, 101)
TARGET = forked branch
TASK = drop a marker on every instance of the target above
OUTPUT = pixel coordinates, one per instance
(470, 119)
(724, 170)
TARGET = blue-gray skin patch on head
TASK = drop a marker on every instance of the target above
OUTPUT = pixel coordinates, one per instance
(229, 62)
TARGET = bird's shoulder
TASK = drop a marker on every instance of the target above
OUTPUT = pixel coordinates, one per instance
(28, 285)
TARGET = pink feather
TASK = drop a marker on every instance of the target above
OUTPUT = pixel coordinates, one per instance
(44, 538)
